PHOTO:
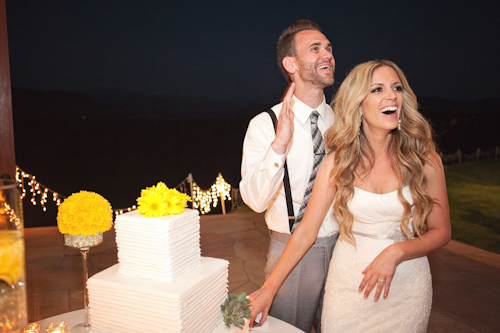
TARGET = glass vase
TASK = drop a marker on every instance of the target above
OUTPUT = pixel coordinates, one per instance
(13, 306)
(84, 243)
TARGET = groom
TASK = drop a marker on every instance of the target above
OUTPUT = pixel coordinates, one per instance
(305, 58)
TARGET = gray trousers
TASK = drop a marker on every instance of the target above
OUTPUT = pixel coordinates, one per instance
(299, 301)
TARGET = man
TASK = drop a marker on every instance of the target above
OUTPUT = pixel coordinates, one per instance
(305, 58)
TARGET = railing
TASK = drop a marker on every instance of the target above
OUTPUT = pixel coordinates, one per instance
(479, 154)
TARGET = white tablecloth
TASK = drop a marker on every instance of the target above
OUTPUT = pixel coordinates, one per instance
(76, 317)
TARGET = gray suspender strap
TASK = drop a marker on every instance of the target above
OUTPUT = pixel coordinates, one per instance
(286, 181)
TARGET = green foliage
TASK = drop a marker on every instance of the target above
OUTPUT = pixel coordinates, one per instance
(474, 197)
(235, 309)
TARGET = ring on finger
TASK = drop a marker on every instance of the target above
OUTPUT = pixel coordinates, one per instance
(381, 280)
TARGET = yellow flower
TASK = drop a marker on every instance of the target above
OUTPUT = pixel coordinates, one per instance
(151, 203)
(160, 188)
(159, 201)
(176, 201)
(11, 256)
(84, 213)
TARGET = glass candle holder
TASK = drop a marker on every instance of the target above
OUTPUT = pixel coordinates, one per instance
(32, 328)
(57, 327)
(13, 308)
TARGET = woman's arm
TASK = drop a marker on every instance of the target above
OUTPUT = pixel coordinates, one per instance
(438, 235)
(302, 239)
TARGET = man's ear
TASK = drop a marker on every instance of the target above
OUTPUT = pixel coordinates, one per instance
(289, 65)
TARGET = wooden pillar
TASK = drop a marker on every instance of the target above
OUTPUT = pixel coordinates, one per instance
(7, 153)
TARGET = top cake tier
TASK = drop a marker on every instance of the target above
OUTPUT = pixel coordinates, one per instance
(160, 249)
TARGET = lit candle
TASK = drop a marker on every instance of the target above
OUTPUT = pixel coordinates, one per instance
(32, 328)
(56, 327)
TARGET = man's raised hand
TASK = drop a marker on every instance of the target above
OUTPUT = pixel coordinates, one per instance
(284, 130)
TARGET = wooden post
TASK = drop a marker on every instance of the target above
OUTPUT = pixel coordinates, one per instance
(7, 153)
(190, 181)
(222, 200)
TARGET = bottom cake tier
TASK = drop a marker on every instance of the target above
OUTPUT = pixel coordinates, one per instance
(191, 303)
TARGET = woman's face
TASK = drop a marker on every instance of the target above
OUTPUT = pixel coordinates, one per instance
(382, 107)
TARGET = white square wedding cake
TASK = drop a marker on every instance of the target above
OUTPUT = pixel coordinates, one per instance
(161, 283)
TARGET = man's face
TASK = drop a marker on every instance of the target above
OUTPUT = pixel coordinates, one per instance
(314, 60)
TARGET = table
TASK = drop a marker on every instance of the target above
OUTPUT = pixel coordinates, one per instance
(76, 317)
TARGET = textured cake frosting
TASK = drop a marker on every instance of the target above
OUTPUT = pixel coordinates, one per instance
(122, 303)
(161, 248)
(161, 283)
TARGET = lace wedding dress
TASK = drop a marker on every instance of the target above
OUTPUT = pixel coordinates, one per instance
(407, 308)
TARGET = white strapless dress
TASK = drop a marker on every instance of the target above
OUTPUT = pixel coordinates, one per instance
(407, 308)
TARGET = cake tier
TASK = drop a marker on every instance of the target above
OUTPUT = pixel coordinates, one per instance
(120, 303)
(160, 249)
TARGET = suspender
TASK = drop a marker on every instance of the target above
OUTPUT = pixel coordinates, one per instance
(286, 181)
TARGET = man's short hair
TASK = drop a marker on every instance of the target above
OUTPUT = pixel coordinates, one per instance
(286, 42)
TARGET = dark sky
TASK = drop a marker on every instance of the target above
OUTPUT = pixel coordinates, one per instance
(226, 49)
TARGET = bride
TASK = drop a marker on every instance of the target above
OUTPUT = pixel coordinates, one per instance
(388, 190)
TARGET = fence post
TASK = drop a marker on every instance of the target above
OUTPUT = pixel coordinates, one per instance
(222, 199)
(459, 156)
(190, 181)
(478, 153)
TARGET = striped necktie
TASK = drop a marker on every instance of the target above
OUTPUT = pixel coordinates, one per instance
(319, 153)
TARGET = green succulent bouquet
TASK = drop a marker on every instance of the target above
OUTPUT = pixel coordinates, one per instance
(235, 309)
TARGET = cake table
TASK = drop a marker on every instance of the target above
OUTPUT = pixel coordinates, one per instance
(75, 317)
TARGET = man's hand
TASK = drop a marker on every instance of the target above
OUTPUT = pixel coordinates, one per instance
(284, 130)
(261, 303)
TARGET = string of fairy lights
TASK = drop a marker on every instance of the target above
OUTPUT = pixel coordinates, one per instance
(202, 200)
(39, 192)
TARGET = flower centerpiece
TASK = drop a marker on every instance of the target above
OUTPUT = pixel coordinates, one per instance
(159, 200)
(83, 217)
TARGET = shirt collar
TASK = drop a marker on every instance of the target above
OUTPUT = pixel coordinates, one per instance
(303, 111)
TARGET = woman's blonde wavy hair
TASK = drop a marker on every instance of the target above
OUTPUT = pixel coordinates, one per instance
(409, 149)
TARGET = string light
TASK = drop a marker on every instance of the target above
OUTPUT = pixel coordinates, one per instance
(39, 192)
(124, 210)
(202, 200)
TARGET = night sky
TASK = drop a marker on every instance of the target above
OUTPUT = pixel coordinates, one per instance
(225, 50)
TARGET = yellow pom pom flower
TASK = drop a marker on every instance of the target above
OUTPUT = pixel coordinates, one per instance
(159, 200)
(84, 213)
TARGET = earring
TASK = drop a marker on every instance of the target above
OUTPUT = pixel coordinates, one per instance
(399, 124)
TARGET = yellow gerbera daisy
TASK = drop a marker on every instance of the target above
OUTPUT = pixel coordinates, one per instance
(160, 188)
(159, 200)
(151, 203)
(176, 201)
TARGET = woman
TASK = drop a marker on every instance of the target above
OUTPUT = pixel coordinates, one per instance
(388, 189)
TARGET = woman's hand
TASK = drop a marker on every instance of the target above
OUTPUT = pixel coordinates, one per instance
(380, 272)
(261, 301)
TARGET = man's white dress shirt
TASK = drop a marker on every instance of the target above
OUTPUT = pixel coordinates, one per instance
(262, 170)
